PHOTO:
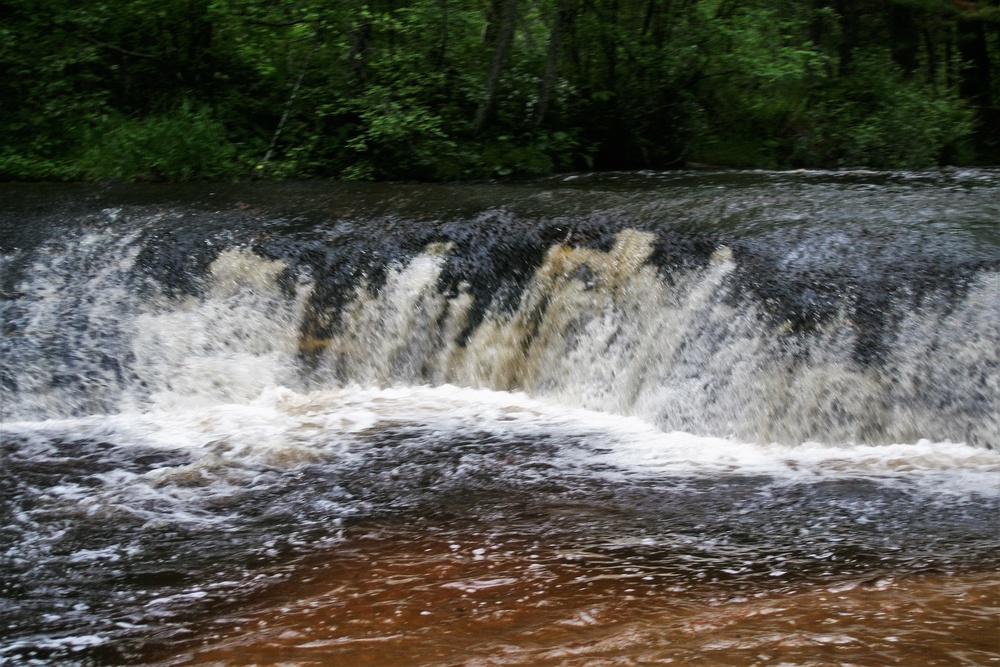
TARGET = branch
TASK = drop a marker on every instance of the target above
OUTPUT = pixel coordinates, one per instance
(288, 105)
(135, 54)
(279, 24)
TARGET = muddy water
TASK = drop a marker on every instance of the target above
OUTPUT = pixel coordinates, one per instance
(719, 419)
(437, 595)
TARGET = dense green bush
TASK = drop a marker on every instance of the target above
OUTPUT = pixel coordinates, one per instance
(183, 144)
(877, 117)
(455, 89)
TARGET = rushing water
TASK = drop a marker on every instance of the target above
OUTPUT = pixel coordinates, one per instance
(717, 419)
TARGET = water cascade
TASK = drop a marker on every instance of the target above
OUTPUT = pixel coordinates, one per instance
(729, 385)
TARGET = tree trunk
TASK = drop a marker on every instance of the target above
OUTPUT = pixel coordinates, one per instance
(361, 36)
(905, 38)
(441, 52)
(931, 49)
(504, 38)
(850, 33)
(975, 83)
(609, 43)
(564, 14)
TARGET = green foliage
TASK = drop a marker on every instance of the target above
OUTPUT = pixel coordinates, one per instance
(531, 153)
(757, 71)
(427, 89)
(395, 135)
(876, 117)
(181, 145)
(16, 166)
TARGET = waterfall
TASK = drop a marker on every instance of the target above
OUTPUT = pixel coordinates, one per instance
(689, 388)
(689, 343)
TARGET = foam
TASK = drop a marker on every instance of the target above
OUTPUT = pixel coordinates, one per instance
(600, 330)
(283, 429)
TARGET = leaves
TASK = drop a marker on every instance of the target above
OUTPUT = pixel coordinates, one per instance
(179, 89)
(181, 145)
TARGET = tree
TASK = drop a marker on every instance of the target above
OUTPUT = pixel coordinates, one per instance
(442, 89)
(503, 40)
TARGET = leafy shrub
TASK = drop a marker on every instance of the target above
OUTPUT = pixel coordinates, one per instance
(877, 117)
(15, 166)
(396, 136)
(181, 145)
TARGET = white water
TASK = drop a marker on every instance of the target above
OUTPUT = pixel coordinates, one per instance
(230, 449)
(155, 443)
(603, 331)
(638, 374)
(596, 330)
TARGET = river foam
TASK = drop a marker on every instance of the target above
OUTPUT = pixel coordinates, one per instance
(198, 406)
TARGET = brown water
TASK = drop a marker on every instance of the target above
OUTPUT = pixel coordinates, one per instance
(442, 595)
(700, 419)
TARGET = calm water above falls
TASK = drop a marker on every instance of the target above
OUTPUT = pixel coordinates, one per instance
(715, 419)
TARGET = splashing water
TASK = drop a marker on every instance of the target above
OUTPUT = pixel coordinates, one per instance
(626, 430)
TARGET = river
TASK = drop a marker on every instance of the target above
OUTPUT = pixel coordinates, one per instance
(708, 418)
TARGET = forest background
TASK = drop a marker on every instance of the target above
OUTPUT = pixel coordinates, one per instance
(465, 89)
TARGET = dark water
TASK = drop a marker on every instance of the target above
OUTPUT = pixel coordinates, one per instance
(603, 403)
